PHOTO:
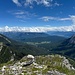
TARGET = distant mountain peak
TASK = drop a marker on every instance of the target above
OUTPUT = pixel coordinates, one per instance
(72, 39)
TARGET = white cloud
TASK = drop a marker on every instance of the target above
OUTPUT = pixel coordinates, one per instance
(19, 13)
(64, 19)
(73, 19)
(42, 29)
(22, 14)
(48, 18)
(46, 3)
(57, 4)
(37, 29)
(21, 17)
(17, 2)
(30, 3)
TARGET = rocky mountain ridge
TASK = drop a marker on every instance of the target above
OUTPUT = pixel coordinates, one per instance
(42, 65)
(72, 40)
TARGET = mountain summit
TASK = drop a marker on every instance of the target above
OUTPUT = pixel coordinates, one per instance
(72, 40)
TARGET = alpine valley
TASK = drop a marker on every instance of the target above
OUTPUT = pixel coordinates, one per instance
(52, 54)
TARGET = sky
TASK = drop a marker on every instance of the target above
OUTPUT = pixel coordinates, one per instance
(52, 14)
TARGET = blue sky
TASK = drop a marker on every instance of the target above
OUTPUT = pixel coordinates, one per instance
(37, 13)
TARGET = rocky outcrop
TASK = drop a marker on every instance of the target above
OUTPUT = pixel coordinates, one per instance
(1, 46)
(72, 40)
(54, 73)
(42, 65)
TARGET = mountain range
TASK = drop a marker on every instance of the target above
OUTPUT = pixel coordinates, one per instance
(53, 54)
(36, 44)
(32, 36)
(25, 35)
(40, 39)
(66, 34)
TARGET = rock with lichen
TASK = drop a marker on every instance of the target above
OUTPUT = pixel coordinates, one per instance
(42, 65)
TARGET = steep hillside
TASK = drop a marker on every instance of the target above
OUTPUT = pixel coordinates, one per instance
(67, 47)
(12, 50)
(4, 39)
(6, 52)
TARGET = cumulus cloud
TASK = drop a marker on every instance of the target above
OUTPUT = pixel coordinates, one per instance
(17, 2)
(30, 3)
(46, 3)
(42, 29)
(36, 29)
(73, 19)
(38, 2)
(48, 18)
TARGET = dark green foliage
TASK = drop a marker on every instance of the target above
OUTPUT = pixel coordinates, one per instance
(21, 49)
(17, 48)
(72, 62)
(5, 54)
(66, 48)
